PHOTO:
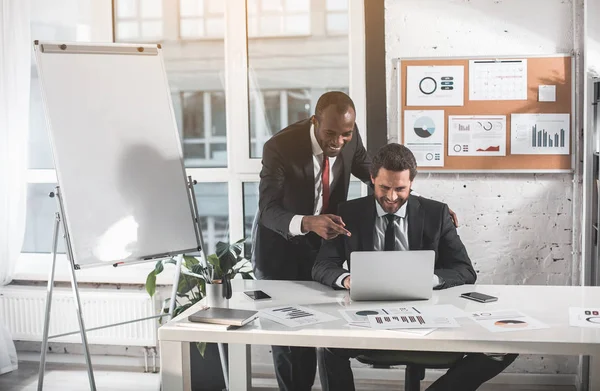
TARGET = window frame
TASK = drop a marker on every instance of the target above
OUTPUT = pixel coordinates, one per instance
(241, 167)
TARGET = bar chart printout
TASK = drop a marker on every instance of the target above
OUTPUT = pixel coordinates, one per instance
(540, 134)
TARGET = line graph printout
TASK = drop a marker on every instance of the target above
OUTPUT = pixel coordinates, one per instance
(498, 79)
(477, 135)
(540, 134)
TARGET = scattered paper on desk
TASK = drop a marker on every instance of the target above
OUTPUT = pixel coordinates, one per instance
(295, 316)
(546, 93)
(360, 315)
(507, 320)
(584, 317)
(418, 332)
(410, 322)
(441, 310)
(444, 310)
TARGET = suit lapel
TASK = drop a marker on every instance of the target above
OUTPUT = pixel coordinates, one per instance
(306, 154)
(415, 223)
(367, 224)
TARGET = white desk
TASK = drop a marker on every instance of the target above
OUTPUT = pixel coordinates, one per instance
(548, 304)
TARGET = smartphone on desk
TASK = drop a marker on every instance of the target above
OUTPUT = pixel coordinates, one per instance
(479, 297)
(257, 295)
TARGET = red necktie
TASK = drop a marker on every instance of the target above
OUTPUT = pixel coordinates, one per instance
(325, 182)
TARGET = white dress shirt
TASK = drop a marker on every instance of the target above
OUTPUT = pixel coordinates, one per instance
(334, 171)
(400, 234)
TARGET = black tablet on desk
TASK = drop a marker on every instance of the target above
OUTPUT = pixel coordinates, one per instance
(225, 316)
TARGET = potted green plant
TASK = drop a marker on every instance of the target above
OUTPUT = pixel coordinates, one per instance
(198, 278)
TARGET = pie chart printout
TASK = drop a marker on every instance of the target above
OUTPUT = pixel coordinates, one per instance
(424, 127)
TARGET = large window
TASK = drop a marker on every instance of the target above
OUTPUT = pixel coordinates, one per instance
(283, 55)
(287, 75)
(139, 20)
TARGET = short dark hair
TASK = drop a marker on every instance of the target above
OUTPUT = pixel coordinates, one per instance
(394, 157)
(340, 100)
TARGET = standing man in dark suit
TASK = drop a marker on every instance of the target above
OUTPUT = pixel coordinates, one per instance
(305, 175)
(395, 220)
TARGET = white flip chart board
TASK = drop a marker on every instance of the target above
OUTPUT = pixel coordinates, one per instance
(117, 152)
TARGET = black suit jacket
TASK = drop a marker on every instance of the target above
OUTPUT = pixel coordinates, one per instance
(287, 187)
(430, 227)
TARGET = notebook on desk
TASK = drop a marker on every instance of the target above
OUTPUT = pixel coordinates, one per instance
(225, 316)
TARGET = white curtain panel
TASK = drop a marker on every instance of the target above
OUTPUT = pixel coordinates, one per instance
(15, 76)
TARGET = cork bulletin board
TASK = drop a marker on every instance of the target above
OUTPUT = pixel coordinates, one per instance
(555, 72)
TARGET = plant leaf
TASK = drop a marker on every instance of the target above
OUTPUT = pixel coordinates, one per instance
(201, 346)
(151, 283)
(186, 284)
(159, 267)
(221, 248)
(179, 309)
(190, 261)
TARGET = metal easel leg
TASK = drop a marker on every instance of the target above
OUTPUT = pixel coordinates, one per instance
(86, 350)
(48, 305)
(175, 285)
(224, 364)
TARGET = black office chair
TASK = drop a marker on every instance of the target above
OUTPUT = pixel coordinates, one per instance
(416, 363)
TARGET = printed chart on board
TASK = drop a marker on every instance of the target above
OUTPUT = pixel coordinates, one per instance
(477, 135)
(424, 136)
(435, 85)
(498, 80)
(540, 134)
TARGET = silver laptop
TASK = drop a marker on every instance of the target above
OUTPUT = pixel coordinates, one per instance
(392, 275)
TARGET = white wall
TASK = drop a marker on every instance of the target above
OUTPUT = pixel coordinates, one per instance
(516, 227)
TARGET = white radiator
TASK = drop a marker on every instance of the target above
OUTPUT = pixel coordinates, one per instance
(22, 310)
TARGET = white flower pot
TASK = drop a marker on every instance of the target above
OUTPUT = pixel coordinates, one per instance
(215, 296)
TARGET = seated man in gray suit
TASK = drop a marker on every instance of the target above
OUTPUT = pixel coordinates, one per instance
(395, 220)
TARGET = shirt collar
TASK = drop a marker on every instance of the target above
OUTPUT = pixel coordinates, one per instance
(316, 148)
(400, 212)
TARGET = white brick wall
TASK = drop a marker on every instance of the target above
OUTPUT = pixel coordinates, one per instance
(517, 227)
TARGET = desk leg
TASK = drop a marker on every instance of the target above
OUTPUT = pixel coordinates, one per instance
(175, 366)
(240, 367)
(594, 373)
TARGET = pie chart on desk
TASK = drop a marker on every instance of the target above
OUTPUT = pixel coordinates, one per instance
(424, 127)
(367, 312)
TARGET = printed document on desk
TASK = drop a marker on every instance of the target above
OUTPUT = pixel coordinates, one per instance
(584, 317)
(441, 310)
(507, 320)
(410, 322)
(295, 316)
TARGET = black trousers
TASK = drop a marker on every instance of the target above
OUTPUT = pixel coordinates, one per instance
(466, 374)
(295, 367)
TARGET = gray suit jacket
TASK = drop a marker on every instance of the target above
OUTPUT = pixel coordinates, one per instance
(430, 227)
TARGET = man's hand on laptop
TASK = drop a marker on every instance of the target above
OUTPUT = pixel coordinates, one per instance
(346, 282)
(327, 226)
